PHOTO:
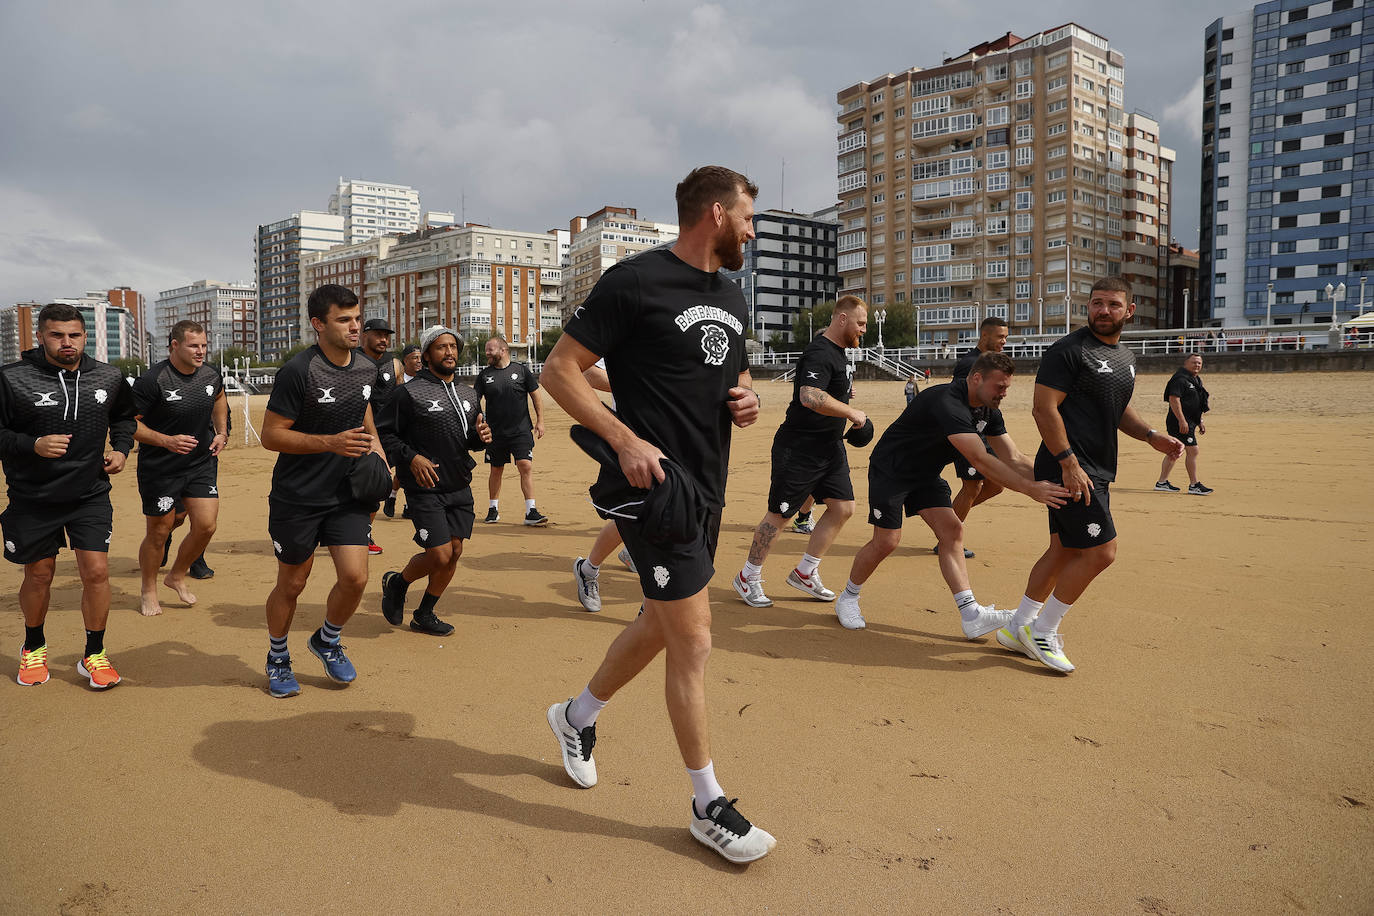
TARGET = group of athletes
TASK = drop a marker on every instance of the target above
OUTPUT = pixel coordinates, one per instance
(664, 333)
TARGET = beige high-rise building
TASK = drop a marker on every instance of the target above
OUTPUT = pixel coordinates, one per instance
(352, 266)
(600, 240)
(989, 185)
(1145, 220)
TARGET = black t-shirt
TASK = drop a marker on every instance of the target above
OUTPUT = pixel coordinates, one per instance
(673, 339)
(504, 393)
(822, 365)
(917, 443)
(437, 419)
(175, 404)
(964, 364)
(1192, 396)
(386, 378)
(1098, 380)
(322, 399)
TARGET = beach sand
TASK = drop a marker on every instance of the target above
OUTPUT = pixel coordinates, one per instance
(1211, 754)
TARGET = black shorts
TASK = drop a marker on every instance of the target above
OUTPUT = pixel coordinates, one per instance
(163, 495)
(297, 530)
(501, 452)
(440, 517)
(36, 531)
(674, 571)
(888, 499)
(1171, 425)
(802, 469)
(967, 471)
(1081, 527)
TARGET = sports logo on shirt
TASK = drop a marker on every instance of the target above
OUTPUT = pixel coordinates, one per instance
(487, 380)
(815, 375)
(45, 399)
(1104, 367)
(433, 406)
(465, 405)
(326, 396)
(1132, 370)
(386, 376)
(877, 513)
(661, 576)
(165, 503)
(174, 395)
(9, 547)
(100, 395)
(276, 546)
(214, 491)
(423, 533)
(715, 344)
(1094, 529)
(980, 425)
(209, 389)
(367, 392)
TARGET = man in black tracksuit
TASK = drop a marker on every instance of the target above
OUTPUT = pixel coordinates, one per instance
(427, 427)
(57, 406)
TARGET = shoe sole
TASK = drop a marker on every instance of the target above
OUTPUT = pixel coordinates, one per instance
(23, 683)
(81, 669)
(550, 716)
(808, 591)
(327, 673)
(706, 841)
(860, 625)
(429, 632)
(393, 614)
(539, 524)
(1015, 644)
(491, 521)
(578, 580)
(744, 596)
(281, 695)
(1044, 660)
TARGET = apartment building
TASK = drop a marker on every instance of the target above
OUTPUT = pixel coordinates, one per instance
(988, 185)
(1287, 184)
(1145, 220)
(789, 265)
(348, 266)
(277, 250)
(373, 208)
(18, 330)
(227, 311)
(600, 240)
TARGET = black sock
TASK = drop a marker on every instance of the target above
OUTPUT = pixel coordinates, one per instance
(33, 638)
(427, 604)
(398, 585)
(95, 642)
(803, 517)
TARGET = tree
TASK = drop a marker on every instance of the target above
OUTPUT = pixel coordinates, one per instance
(819, 314)
(778, 340)
(899, 330)
(128, 367)
(547, 340)
(227, 356)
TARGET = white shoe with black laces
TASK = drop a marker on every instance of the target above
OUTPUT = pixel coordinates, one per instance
(729, 833)
(588, 588)
(576, 746)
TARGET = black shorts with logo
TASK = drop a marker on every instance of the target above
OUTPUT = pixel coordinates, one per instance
(889, 499)
(1188, 438)
(440, 517)
(163, 495)
(297, 530)
(501, 452)
(36, 531)
(801, 469)
(1081, 527)
(673, 571)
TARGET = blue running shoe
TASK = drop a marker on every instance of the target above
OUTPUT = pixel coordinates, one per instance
(281, 682)
(337, 667)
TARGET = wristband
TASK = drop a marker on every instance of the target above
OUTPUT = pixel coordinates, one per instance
(1067, 453)
(1150, 435)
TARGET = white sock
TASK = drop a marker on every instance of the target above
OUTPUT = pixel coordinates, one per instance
(529, 504)
(967, 604)
(1049, 618)
(851, 589)
(751, 573)
(1025, 613)
(808, 564)
(590, 570)
(704, 786)
(492, 503)
(584, 709)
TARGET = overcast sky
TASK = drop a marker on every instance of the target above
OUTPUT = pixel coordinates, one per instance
(142, 143)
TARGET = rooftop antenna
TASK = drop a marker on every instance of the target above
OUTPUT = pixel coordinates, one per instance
(782, 190)
(463, 209)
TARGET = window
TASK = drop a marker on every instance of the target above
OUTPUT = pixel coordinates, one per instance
(1340, 31)
(1331, 243)
(1297, 15)
(1026, 199)
(1330, 217)
(1291, 146)
(1288, 197)
(1297, 41)
(997, 160)
(1336, 85)
(1226, 84)
(1298, 66)
(1024, 133)
(1331, 190)
(1228, 34)
(1288, 247)
(1335, 60)
(1293, 94)
(1223, 206)
(1290, 171)
(1224, 133)
(1288, 222)
(1339, 5)
(1025, 89)
(1224, 60)
(1335, 139)
(1292, 120)
(1326, 270)
(1332, 165)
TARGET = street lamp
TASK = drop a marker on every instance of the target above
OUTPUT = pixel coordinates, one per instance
(1185, 310)
(753, 295)
(1269, 307)
(1040, 314)
(918, 332)
(1336, 294)
(1362, 279)
(880, 316)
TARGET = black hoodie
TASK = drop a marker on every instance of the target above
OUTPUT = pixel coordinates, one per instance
(39, 399)
(437, 419)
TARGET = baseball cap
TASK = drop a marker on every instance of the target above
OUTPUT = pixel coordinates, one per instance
(377, 324)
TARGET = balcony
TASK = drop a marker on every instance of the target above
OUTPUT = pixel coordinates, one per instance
(856, 260)
(856, 140)
(853, 182)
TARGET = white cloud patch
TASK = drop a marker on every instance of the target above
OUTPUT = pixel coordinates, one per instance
(1185, 112)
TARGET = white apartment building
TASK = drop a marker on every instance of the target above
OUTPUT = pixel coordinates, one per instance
(373, 208)
(600, 240)
(277, 251)
(227, 311)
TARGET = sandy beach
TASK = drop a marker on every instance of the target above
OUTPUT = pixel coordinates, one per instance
(1213, 753)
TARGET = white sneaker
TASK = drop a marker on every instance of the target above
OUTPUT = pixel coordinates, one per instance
(1047, 649)
(847, 609)
(588, 590)
(729, 833)
(811, 584)
(988, 619)
(575, 746)
(751, 590)
(629, 561)
(1007, 640)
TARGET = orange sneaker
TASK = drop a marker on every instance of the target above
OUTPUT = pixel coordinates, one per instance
(97, 667)
(33, 666)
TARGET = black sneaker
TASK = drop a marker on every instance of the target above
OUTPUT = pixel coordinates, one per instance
(405, 513)
(536, 519)
(426, 622)
(968, 554)
(492, 515)
(393, 597)
(199, 569)
(729, 833)
(1199, 489)
(389, 506)
(1164, 486)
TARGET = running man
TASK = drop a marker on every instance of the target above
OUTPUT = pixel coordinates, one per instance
(57, 406)
(1188, 401)
(319, 419)
(1082, 397)
(183, 424)
(671, 328)
(809, 457)
(376, 340)
(904, 477)
(503, 387)
(587, 570)
(427, 428)
(973, 487)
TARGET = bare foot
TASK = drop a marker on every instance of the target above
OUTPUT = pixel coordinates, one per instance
(178, 585)
(149, 606)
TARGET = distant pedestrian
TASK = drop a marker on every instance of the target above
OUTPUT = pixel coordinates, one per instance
(503, 387)
(1188, 401)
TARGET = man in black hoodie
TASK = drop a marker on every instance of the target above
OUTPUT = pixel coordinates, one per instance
(427, 427)
(57, 406)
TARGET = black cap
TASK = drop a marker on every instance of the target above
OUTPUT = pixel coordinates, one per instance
(377, 324)
(860, 435)
(409, 349)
